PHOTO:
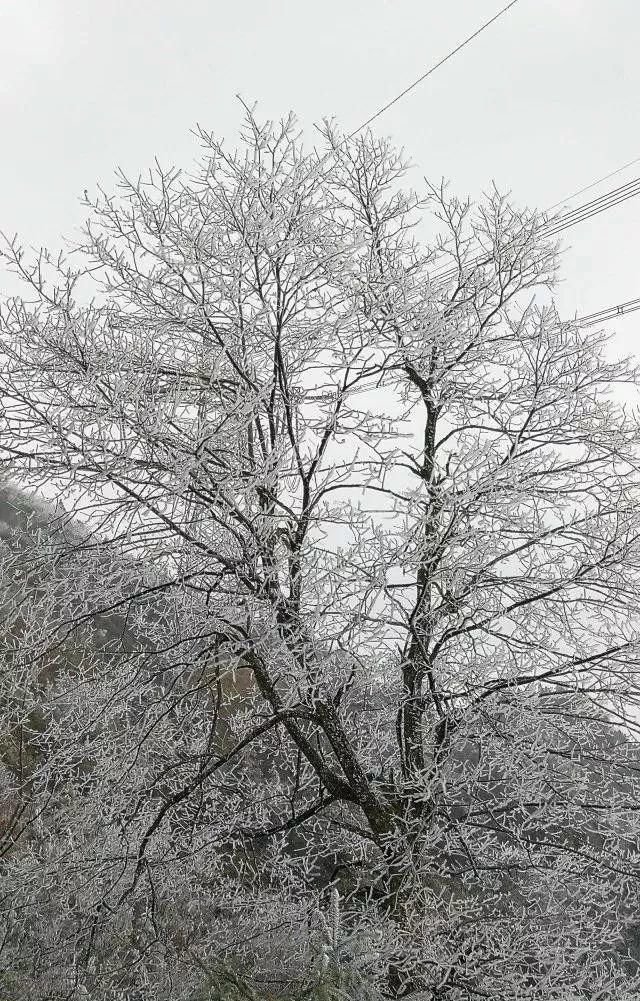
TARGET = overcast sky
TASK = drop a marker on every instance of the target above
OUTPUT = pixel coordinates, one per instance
(543, 102)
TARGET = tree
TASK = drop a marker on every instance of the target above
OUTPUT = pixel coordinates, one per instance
(394, 492)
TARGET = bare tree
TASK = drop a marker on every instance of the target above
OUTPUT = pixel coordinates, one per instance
(390, 493)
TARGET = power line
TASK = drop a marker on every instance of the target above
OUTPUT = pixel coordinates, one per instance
(432, 69)
(593, 184)
(580, 214)
(594, 207)
(609, 313)
(571, 218)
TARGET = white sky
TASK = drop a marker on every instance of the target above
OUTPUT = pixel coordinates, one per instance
(544, 102)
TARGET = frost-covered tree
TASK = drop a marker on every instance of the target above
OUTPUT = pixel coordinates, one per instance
(390, 503)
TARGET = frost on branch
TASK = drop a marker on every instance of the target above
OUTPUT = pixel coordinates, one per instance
(319, 597)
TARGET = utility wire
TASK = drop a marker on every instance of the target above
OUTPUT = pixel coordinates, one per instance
(571, 218)
(583, 212)
(609, 313)
(580, 214)
(594, 184)
(595, 207)
(432, 69)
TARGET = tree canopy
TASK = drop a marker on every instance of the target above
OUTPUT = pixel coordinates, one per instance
(368, 510)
